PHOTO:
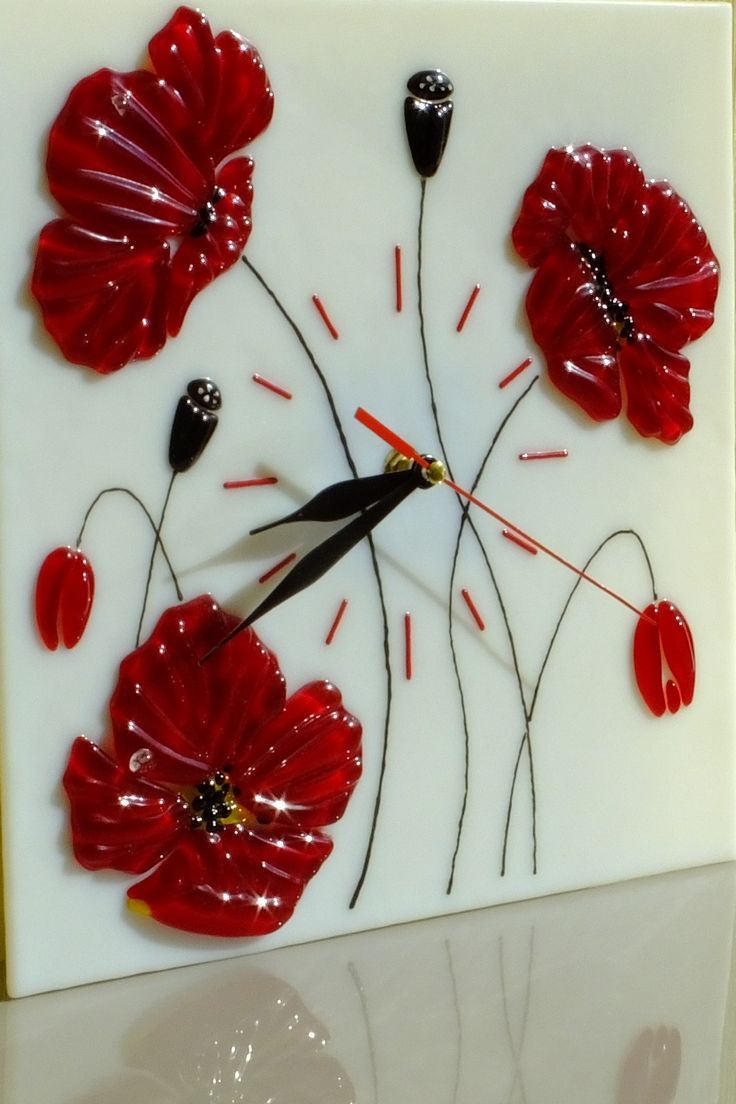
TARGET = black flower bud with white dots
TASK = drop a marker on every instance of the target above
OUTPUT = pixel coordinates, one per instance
(427, 116)
(194, 423)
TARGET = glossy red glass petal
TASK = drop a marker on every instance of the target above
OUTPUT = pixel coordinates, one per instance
(200, 259)
(119, 821)
(300, 768)
(678, 648)
(222, 81)
(607, 242)
(568, 327)
(65, 588)
(242, 882)
(193, 717)
(103, 298)
(670, 281)
(133, 160)
(657, 389)
(580, 195)
(664, 658)
(124, 156)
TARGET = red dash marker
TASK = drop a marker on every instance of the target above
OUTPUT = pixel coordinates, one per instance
(336, 623)
(277, 567)
(474, 610)
(408, 667)
(270, 386)
(552, 454)
(509, 535)
(263, 481)
(325, 317)
(516, 372)
(398, 279)
(468, 307)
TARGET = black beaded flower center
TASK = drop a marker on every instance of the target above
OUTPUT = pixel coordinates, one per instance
(615, 312)
(214, 803)
(207, 214)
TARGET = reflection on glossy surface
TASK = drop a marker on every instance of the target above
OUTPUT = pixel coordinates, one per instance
(611, 996)
(651, 1071)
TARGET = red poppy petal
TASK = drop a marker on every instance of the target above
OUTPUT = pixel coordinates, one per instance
(222, 81)
(657, 389)
(193, 717)
(200, 259)
(580, 195)
(568, 325)
(124, 157)
(677, 645)
(648, 660)
(301, 767)
(102, 297)
(183, 54)
(65, 590)
(237, 883)
(119, 821)
(670, 282)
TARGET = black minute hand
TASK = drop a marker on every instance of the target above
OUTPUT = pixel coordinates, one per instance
(317, 562)
(340, 500)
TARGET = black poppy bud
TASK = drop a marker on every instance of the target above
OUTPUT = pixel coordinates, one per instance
(194, 423)
(427, 116)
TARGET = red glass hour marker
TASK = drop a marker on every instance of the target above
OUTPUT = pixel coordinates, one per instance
(398, 279)
(550, 454)
(325, 317)
(474, 610)
(271, 386)
(261, 481)
(277, 567)
(510, 535)
(468, 307)
(516, 372)
(408, 662)
(336, 623)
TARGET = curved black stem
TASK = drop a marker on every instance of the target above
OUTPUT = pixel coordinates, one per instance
(464, 519)
(469, 521)
(151, 522)
(547, 654)
(153, 557)
(374, 564)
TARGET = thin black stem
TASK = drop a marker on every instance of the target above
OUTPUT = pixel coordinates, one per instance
(423, 331)
(464, 519)
(153, 557)
(151, 522)
(374, 564)
(469, 521)
(547, 654)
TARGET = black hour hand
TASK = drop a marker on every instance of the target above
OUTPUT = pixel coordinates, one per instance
(340, 500)
(319, 560)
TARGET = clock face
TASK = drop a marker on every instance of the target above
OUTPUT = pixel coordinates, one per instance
(201, 334)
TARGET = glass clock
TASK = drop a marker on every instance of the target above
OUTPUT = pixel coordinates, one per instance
(272, 671)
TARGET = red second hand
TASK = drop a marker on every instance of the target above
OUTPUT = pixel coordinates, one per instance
(402, 446)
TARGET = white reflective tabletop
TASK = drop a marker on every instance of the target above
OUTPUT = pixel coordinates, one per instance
(620, 995)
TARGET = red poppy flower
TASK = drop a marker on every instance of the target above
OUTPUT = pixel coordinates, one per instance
(153, 214)
(625, 278)
(664, 658)
(65, 587)
(216, 782)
